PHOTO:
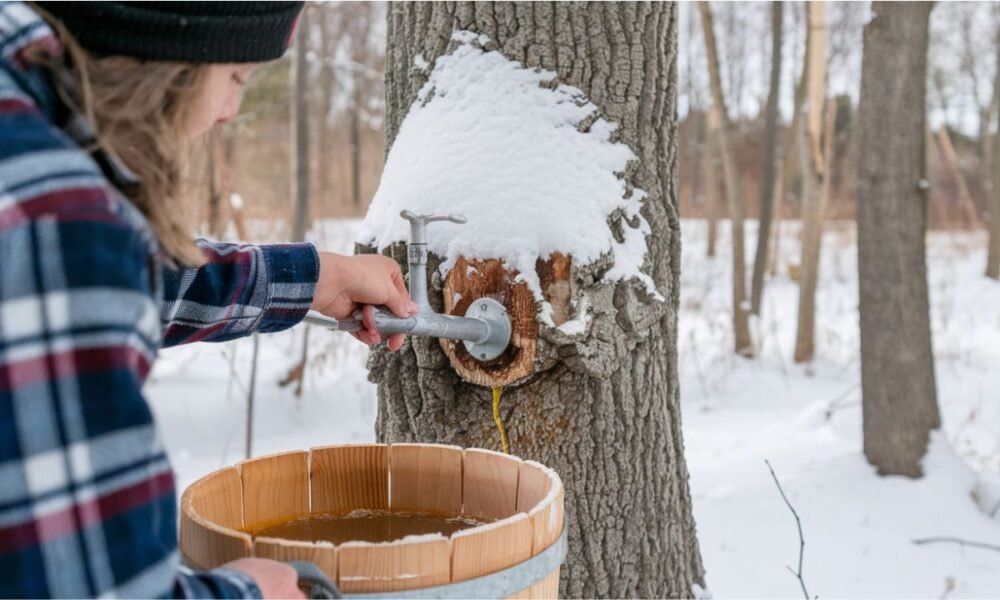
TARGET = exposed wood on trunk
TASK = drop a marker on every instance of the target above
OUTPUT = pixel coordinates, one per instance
(814, 175)
(742, 343)
(770, 170)
(897, 366)
(601, 407)
(968, 206)
(473, 279)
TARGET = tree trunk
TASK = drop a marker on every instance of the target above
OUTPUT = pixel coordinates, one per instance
(990, 180)
(300, 132)
(216, 189)
(786, 171)
(603, 409)
(326, 81)
(966, 204)
(815, 197)
(767, 181)
(355, 132)
(813, 166)
(742, 343)
(897, 366)
(712, 170)
(993, 254)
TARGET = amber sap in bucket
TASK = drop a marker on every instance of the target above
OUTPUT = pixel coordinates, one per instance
(374, 526)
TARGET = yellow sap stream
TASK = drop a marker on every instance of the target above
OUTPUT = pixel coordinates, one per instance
(499, 421)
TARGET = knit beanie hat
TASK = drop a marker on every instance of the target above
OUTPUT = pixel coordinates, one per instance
(191, 32)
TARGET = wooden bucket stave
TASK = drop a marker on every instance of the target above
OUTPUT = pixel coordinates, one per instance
(524, 500)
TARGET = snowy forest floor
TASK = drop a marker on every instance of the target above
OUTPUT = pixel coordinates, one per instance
(806, 420)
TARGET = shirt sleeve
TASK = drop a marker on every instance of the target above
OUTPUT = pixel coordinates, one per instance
(239, 290)
(217, 583)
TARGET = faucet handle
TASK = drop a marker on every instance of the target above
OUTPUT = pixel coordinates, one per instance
(418, 224)
(424, 219)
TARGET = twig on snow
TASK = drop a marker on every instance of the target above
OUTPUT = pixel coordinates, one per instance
(798, 523)
(955, 540)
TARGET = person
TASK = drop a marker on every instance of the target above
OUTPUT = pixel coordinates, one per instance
(100, 106)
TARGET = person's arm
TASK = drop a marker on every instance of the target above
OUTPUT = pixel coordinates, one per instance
(240, 289)
(87, 495)
(246, 288)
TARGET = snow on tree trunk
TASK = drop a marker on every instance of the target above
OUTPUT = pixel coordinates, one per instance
(897, 367)
(742, 343)
(571, 198)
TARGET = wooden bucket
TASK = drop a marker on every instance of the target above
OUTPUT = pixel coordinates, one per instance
(523, 499)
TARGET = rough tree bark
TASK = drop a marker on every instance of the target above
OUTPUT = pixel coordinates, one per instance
(814, 173)
(897, 367)
(742, 343)
(769, 172)
(300, 132)
(602, 409)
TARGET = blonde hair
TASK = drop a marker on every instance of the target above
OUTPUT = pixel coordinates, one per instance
(139, 111)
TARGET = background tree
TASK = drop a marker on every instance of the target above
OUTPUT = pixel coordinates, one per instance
(731, 183)
(768, 174)
(603, 410)
(300, 119)
(897, 369)
(814, 173)
(993, 253)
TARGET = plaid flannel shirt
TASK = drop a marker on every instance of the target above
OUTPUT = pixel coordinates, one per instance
(87, 498)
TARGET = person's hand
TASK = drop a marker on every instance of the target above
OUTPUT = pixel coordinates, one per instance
(347, 283)
(275, 579)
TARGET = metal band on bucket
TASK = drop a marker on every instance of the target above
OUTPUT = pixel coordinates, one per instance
(496, 585)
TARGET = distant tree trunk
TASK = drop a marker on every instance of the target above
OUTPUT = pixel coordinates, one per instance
(216, 190)
(966, 204)
(697, 122)
(300, 132)
(713, 166)
(767, 181)
(324, 131)
(814, 213)
(631, 529)
(813, 174)
(897, 365)
(786, 157)
(993, 254)
(741, 309)
(356, 147)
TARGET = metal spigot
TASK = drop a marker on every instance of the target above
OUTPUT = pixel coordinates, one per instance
(484, 330)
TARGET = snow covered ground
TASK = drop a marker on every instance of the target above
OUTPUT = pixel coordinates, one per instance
(859, 528)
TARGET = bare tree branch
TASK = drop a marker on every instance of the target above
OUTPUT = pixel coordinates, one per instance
(798, 523)
(955, 540)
